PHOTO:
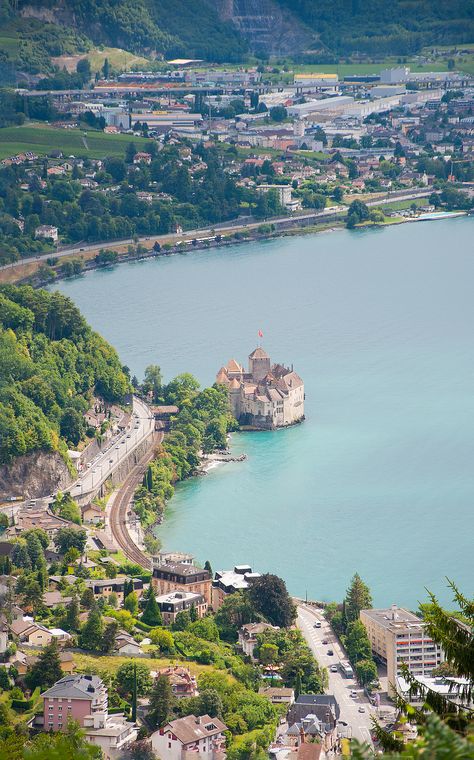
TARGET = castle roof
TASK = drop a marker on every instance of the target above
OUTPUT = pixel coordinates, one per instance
(221, 377)
(259, 353)
(233, 366)
(234, 384)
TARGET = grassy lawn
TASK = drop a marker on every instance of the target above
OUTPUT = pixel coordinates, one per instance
(43, 139)
(109, 663)
(118, 59)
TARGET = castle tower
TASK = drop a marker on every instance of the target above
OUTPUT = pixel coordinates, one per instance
(259, 364)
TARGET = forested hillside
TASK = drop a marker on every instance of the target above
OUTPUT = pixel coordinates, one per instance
(50, 363)
(382, 27)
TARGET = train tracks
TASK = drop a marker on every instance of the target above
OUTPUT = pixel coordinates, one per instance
(119, 509)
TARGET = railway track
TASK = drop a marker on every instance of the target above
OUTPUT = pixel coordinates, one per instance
(118, 512)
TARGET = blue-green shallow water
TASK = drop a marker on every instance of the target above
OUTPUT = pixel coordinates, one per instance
(380, 477)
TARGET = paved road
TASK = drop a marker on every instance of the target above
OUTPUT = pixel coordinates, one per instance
(359, 724)
(141, 426)
(218, 228)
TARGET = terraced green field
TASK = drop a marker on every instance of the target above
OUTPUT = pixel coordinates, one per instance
(72, 142)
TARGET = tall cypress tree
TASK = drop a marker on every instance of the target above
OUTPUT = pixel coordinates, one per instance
(152, 613)
(161, 701)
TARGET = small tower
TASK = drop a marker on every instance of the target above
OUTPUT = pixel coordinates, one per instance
(259, 364)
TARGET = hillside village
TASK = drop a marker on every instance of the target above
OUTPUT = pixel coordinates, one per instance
(237, 150)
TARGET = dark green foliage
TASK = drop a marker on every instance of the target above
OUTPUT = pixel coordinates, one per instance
(50, 362)
(270, 598)
(386, 27)
(46, 670)
(125, 676)
(68, 538)
(92, 632)
(358, 598)
(161, 702)
(357, 643)
(71, 621)
(152, 614)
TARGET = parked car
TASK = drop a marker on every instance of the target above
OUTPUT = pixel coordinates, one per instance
(330, 653)
(325, 641)
(333, 668)
(361, 709)
(317, 625)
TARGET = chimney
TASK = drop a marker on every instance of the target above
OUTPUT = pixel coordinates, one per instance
(393, 614)
(301, 734)
(198, 720)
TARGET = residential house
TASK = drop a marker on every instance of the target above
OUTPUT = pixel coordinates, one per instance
(103, 588)
(180, 601)
(47, 231)
(182, 577)
(92, 514)
(278, 695)
(248, 636)
(23, 662)
(324, 706)
(29, 633)
(126, 644)
(84, 698)
(142, 158)
(200, 737)
(183, 684)
(229, 581)
(52, 599)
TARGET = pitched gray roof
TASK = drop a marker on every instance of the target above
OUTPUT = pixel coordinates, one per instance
(75, 687)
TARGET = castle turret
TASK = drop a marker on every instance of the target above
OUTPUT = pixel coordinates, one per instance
(259, 364)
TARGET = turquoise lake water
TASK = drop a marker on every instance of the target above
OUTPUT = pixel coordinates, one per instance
(380, 477)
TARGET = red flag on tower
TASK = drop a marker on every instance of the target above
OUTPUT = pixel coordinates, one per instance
(260, 334)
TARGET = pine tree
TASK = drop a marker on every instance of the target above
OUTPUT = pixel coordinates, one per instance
(152, 614)
(131, 603)
(149, 478)
(71, 622)
(134, 693)
(161, 701)
(358, 597)
(298, 684)
(91, 636)
(207, 566)
(47, 669)
(193, 616)
(110, 634)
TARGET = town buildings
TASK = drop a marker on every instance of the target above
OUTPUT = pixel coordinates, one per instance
(266, 396)
(180, 601)
(397, 638)
(198, 737)
(169, 578)
(84, 698)
(229, 581)
(183, 684)
(248, 636)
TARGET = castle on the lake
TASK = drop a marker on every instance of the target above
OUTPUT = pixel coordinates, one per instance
(267, 396)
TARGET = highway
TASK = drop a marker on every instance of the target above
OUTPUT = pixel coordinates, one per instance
(141, 426)
(331, 212)
(358, 723)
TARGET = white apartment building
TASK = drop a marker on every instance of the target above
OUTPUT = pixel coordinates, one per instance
(397, 638)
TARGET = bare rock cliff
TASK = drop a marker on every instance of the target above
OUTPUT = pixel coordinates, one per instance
(34, 475)
(266, 26)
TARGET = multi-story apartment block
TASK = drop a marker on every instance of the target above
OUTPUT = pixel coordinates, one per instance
(398, 638)
(182, 577)
(84, 698)
(179, 601)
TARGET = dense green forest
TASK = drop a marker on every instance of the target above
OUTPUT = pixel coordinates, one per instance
(50, 363)
(386, 27)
